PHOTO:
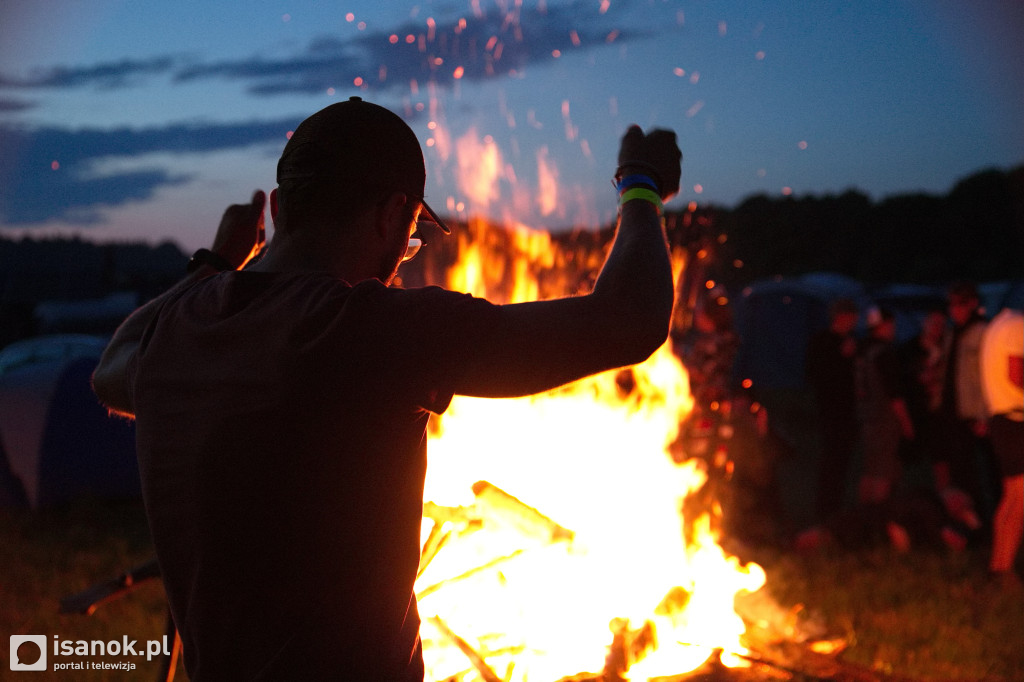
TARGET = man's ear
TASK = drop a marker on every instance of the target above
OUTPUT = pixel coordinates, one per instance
(391, 213)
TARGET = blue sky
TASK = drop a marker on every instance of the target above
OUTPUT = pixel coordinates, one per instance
(142, 120)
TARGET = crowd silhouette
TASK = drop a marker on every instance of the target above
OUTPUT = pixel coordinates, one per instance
(919, 443)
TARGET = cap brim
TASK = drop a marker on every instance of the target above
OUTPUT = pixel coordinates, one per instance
(435, 218)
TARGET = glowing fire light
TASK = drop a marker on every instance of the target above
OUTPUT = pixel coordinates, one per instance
(553, 523)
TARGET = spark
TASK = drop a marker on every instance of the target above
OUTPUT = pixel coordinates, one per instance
(350, 17)
(330, 91)
(605, 4)
(695, 109)
(802, 144)
(54, 165)
(357, 81)
(556, 53)
(574, 38)
(410, 39)
(679, 72)
(759, 55)
(393, 38)
(289, 134)
(787, 191)
(459, 71)
(722, 28)
(698, 188)
(286, 18)
(695, 77)
(610, 38)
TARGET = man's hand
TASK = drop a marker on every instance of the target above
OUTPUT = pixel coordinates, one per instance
(655, 154)
(241, 233)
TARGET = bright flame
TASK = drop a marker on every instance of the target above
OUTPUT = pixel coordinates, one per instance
(547, 183)
(553, 530)
(479, 168)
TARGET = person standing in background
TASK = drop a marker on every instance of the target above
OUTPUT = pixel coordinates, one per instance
(1002, 373)
(831, 354)
(962, 423)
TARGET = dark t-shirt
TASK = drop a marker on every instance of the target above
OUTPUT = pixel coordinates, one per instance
(281, 438)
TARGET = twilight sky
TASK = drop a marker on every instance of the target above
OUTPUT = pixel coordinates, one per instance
(142, 120)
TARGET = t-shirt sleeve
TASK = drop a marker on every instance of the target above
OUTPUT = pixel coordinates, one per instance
(427, 334)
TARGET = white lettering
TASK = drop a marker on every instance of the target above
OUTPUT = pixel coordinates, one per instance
(128, 649)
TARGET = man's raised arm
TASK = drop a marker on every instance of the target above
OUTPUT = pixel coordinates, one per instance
(541, 345)
(240, 236)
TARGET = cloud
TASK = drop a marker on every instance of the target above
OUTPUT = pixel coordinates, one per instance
(487, 46)
(51, 173)
(118, 74)
(8, 104)
(480, 46)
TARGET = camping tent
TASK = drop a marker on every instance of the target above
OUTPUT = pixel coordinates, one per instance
(776, 318)
(56, 441)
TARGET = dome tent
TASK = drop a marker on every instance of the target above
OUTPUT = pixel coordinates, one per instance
(56, 441)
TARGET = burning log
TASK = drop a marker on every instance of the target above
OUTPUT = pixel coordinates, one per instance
(432, 545)
(426, 591)
(498, 504)
(486, 672)
(628, 647)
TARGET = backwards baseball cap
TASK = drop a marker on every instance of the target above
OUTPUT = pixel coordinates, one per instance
(358, 142)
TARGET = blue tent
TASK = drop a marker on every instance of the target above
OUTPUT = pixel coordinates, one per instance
(776, 318)
(57, 442)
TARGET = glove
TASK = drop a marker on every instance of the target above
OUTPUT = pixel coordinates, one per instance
(655, 155)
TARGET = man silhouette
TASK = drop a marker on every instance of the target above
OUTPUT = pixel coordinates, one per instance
(281, 408)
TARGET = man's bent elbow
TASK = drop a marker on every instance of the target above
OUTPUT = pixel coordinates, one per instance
(112, 391)
(645, 337)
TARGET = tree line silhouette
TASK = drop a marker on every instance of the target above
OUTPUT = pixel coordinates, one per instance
(975, 231)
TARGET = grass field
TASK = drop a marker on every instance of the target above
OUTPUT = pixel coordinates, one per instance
(918, 616)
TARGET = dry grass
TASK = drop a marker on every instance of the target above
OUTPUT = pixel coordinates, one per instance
(920, 616)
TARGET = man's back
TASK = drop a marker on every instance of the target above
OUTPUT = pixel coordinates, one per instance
(281, 442)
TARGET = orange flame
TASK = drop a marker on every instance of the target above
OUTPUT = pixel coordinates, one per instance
(554, 522)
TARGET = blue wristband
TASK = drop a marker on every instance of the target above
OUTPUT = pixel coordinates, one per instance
(636, 181)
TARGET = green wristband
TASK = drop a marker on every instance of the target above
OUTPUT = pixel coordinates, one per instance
(641, 193)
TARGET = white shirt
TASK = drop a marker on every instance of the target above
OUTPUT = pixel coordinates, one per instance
(1003, 338)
